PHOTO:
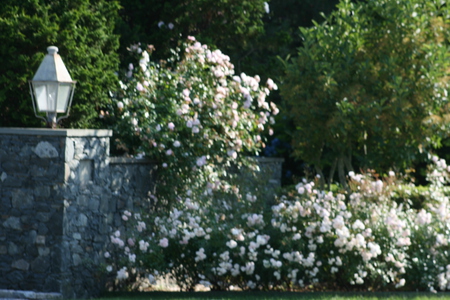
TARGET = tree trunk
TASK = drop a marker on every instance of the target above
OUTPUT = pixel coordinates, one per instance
(321, 179)
(348, 164)
(341, 172)
(332, 171)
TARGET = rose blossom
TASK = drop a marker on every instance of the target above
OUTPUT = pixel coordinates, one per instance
(164, 242)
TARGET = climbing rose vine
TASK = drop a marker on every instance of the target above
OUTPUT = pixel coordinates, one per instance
(192, 115)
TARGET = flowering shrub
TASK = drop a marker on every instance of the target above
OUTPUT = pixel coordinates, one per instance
(308, 239)
(191, 114)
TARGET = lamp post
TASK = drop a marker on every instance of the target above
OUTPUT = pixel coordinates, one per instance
(52, 88)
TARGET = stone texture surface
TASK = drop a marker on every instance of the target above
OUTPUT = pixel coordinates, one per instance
(61, 195)
(58, 205)
(13, 294)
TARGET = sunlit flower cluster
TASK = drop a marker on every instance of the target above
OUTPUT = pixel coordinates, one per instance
(310, 238)
(192, 114)
(195, 116)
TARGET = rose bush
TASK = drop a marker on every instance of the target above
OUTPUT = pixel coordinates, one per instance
(192, 115)
(309, 239)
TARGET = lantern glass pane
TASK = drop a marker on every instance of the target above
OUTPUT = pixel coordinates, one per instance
(52, 97)
(41, 93)
(64, 90)
(52, 94)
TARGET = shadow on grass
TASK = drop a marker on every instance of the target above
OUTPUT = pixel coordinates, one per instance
(273, 295)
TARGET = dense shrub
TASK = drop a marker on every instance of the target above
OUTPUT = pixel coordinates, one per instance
(192, 115)
(369, 86)
(83, 32)
(309, 239)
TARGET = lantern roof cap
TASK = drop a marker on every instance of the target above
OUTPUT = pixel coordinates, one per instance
(52, 68)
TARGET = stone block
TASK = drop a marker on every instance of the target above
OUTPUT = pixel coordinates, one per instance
(26, 151)
(43, 216)
(27, 219)
(22, 199)
(60, 255)
(75, 247)
(42, 192)
(76, 259)
(98, 190)
(73, 164)
(41, 264)
(52, 284)
(43, 251)
(42, 164)
(81, 220)
(15, 278)
(69, 152)
(55, 172)
(5, 203)
(40, 240)
(14, 181)
(66, 172)
(42, 229)
(21, 264)
(37, 172)
(112, 202)
(55, 225)
(104, 204)
(79, 149)
(4, 156)
(13, 249)
(12, 166)
(82, 200)
(94, 204)
(13, 223)
(116, 182)
(85, 170)
(45, 150)
(101, 239)
(73, 175)
(32, 237)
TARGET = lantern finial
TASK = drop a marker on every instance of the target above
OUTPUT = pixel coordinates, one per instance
(52, 50)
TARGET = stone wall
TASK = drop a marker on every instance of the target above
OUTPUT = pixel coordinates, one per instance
(61, 195)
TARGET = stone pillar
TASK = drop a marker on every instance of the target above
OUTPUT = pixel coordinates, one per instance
(55, 209)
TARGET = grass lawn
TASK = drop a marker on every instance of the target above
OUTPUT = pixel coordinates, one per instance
(274, 295)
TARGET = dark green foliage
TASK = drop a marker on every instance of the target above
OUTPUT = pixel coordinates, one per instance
(242, 29)
(281, 37)
(83, 32)
(369, 85)
(226, 24)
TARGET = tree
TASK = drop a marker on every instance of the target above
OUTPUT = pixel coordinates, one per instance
(83, 32)
(224, 24)
(370, 85)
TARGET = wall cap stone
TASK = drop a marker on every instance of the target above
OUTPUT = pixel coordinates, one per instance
(57, 132)
(13, 294)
